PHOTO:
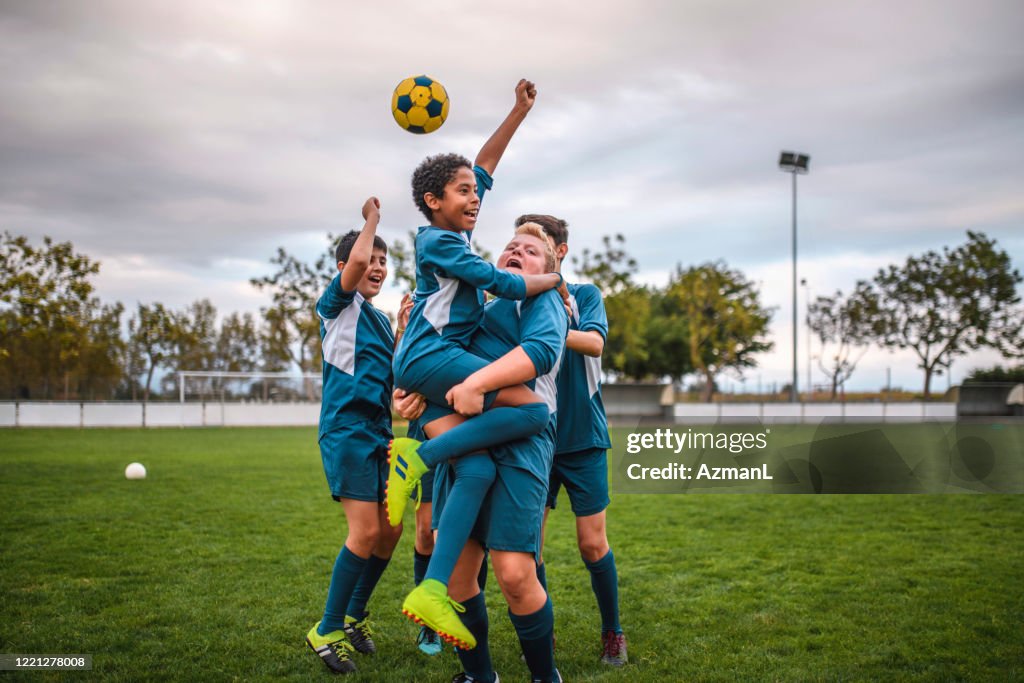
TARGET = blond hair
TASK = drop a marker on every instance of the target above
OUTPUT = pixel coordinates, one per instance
(535, 230)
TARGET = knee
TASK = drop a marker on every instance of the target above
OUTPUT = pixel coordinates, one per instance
(424, 540)
(515, 581)
(363, 539)
(593, 547)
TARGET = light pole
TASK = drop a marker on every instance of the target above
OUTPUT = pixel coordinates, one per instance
(794, 163)
(807, 297)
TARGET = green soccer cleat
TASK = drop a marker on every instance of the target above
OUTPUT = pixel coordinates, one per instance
(428, 642)
(405, 469)
(429, 605)
(613, 649)
(333, 648)
(360, 635)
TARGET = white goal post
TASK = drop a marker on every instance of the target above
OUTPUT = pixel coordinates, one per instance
(267, 386)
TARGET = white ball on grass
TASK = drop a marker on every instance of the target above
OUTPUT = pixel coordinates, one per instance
(135, 471)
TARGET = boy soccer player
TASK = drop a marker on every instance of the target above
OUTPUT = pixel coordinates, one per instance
(509, 524)
(581, 462)
(355, 428)
(432, 360)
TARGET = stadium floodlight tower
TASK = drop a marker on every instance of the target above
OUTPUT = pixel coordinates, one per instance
(796, 164)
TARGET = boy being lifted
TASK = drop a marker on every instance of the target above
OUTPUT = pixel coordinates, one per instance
(432, 359)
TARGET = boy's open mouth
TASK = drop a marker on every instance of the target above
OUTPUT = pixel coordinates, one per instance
(375, 279)
(513, 262)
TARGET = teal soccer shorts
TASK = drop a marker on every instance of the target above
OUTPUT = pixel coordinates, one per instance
(585, 477)
(435, 374)
(355, 459)
(512, 516)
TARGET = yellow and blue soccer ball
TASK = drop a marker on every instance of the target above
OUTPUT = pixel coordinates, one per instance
(420, 104)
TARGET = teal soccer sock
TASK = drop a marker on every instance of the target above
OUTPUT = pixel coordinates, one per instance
(419, 566)
(477, 662)
(474, 475)
(348, 567)
(481, 577)
(489, 428)
(604, 579)
(536, 636)
(375, 566)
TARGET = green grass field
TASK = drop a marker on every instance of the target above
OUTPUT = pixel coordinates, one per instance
(215, 566)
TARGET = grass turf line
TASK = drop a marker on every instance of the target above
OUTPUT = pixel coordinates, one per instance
(216, 565)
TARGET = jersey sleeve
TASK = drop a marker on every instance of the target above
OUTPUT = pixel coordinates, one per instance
(453, 257)
(593, 317)
(334, 300)
(484, 182)
(542, 328)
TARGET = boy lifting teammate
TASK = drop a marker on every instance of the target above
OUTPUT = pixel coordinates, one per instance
(581, 462)
(354, 431)
(432, 359)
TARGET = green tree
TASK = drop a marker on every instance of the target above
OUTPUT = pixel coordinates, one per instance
(46, 305)
(103, 355)
(238, 344)
(943, 305)
(152, 337)
(196, 336)
(402, 262)
(668, 336)
(627, 304)
(997, 374)
(727, 324)
(294, 289)
(846, 323)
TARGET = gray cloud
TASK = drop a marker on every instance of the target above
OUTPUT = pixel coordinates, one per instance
(182, 137)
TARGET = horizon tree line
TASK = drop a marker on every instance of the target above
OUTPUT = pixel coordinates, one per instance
(59, 341)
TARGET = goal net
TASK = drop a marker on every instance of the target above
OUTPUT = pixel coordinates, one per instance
(267, 387)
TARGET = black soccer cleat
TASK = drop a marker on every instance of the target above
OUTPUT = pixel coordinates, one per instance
(361, 637)
(334, 650)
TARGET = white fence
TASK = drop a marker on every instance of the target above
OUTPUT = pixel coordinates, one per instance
(811, 413)
(211, 414)
(26, 414)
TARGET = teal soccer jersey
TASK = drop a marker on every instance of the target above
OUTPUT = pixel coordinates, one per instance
(449, 300)
(581, 419)
(357, 346)
(539, 325)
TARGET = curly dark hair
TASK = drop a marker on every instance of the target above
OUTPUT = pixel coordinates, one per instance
(348, 240)
(432, 175)
(556, 228)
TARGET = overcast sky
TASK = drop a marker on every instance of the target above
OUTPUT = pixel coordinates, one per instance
(181, 143)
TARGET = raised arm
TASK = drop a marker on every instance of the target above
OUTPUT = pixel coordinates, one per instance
(490, 154)
(359, 260)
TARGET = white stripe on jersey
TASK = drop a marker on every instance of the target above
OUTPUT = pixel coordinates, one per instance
(340, 336)
(593, 365)
(546, 387)
(438, 309)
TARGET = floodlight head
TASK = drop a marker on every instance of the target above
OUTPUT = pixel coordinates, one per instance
(794, 162)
